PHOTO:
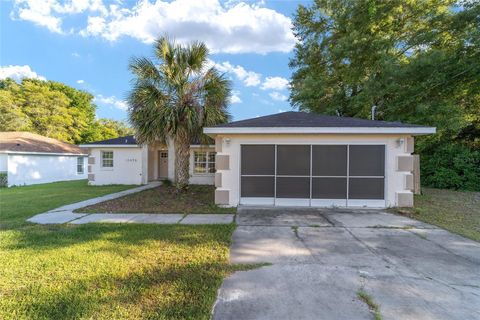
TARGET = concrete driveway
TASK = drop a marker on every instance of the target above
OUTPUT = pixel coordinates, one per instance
(321, 258)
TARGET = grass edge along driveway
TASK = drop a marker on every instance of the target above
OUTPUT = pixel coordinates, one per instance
(106, 271)
(455, 211)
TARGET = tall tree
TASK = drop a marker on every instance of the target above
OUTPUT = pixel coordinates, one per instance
(55, 110)
(417, 61)
(175, 96)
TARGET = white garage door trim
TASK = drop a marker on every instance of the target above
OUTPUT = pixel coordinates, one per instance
(275, 201)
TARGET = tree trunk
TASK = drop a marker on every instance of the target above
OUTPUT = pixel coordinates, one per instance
(182, 159)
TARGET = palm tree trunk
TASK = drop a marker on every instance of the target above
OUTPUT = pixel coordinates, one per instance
(182, 159)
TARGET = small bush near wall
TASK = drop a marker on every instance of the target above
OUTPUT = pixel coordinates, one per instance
(3, 179)
(451, 166)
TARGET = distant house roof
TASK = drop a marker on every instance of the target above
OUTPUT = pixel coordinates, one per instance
(304, 122)
(27, 142)
(128, 141)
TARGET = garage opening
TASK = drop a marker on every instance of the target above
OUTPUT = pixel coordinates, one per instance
(313, 175)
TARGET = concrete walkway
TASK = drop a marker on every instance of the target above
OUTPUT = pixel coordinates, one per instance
(65, 214)
(322, 258)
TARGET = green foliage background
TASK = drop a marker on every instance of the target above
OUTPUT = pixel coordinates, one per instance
(417, 61)
(54, 110)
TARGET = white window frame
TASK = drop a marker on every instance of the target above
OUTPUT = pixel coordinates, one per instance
(208, 164)
(81, 164)
(102, 159)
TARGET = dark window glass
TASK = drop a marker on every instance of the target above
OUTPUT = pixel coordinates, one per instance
(329, 160)
(367, 160)
(293, 187)
(329, 188)
(258, 159)
(366, 188)
(257, 187)
(293, 160)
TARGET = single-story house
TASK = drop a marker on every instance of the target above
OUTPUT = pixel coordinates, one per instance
(124, 161)
(28, 158)
(285, 159)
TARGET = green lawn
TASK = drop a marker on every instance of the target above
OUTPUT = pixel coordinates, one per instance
(20, 203)
(456, 211)
(164, 199)
(104, 271)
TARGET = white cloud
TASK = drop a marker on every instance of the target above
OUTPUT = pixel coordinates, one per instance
(235, 97)
(50, 13)
(18, 72)
(75, 55)
(111, 101)
(232, 27)
(249, 78)
(80, 81)
(275, 83)
(277, 96)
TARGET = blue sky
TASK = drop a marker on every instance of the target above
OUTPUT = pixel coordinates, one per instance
(87, 44)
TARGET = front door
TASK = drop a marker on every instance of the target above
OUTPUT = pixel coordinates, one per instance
(162, 164)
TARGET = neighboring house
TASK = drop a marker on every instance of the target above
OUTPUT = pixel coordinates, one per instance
(302, 159)
(28, 158)
(123, 161)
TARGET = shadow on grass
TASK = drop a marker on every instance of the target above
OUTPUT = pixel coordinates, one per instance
(176, 292)
(114, 271)
(52, 237)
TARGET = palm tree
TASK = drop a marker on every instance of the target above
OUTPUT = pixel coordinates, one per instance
(175, 97)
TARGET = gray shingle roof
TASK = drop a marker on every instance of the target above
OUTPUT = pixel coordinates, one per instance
(127, 140)
(130, 140)
(304, 119)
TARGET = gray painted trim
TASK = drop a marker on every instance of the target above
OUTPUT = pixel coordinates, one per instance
(222, 196)
(222, 162)
(404, 199)
(405, 163)
(218, 179)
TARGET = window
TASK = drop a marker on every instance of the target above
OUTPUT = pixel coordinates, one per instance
(203, 162)
(80, 165)
(107, 159)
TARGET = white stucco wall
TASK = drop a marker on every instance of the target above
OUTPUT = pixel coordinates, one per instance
(129, 166)
(26, 169)
(3, 162)
(394, 180)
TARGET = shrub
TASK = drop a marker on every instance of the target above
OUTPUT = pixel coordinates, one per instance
(167, 182)
(451, 166)
(3, 179)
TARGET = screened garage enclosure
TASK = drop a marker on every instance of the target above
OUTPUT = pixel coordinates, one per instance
(306, 159)
(313, 175)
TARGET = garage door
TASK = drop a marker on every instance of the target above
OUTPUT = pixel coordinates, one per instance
(313, 175)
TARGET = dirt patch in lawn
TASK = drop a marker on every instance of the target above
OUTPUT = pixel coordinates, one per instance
(163, 199)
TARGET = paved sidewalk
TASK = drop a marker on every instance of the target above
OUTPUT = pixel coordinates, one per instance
(90, 202)
(65, 214)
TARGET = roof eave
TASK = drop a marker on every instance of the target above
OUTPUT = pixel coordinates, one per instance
(212, 131)
(43, 153)
(110, 146)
